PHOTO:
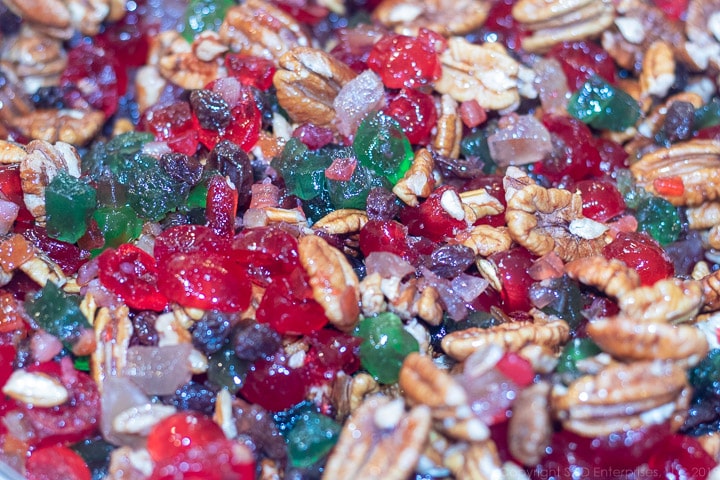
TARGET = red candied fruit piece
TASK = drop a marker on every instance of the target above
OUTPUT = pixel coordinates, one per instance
(640, 252)
(288, 306)
(266, 253)
(132, 274)
(222, 204)
(680, 456)
(127, 40)
(11, 189)
(669, 186)
(493, 184)
(7, 356)
(613, 157)
(313, 136)
(415, 112)
(331, 352)
(179, 433)
(403, 61)
(51, 463)
(304, 11)
(432, 220)
(355, 44)
(708, 133)
(581, 60)
(251, 70)
(601, 199)
(486, 300)
(72, 421)
(384, 236)
(244, 127)
(500, 20)
(187, 239)
(674, 9)
(574, 151)
(221, 459)
(516, 368)
(205, 280)
(513, 268)
(341, 169)
(68, 256)
(96, 77)
(274, 385)
(172, 123)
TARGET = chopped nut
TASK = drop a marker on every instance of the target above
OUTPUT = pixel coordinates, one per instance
(372, 297)
(35, 388)
(424, 383)
(446, 17)
(75, 127)
(208, 47)
(11, 153)
(149, 84)
(51, 16)
(485, 240)
(187, 70)
(128, 464)
(658, 70)
(36, 59)
(612, 277)
(113, 330)
(140, 420)
(449, 128)
(667, 301)
(477, 460)
(333, 281)
(418, 181)
(485, 73)
(704, 216)
(307, 84)
(349, 392)
(530, 426)
(481, 203)
(342, 221)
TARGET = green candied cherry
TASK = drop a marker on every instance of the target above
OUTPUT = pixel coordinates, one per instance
(57, 313)
(603, 106)
(705, 376)
(575, 350)
(114, 154)
(202, 15)
(381, 146)
(226, 370)
(660, 219)
(69, 202)
(708, 115)
(311, 438)
(385, 345)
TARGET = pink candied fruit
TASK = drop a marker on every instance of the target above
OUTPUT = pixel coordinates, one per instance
(222, 205)
(187, 239)
(221, 459)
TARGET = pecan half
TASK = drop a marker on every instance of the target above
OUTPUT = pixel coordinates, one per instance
(36, 59)
(342, 221)
(610, 276)
(446, 17)
(307, 84)
(658, 70)
(449, 129)
(667, 301)
(334, 284)
(76, 127)
(530, 426)
(418, 181)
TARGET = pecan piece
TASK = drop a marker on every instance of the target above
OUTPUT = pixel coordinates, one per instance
(612, 277)
(76, 127)
(671, 300)
(418, 181)
(530, 426)
(51, 16)
(36, 59)
(449, 129)
(485, 240)
(446, 17)
(696, 162)
(701, 29)
(342, 221)
(261, 29)
(711, 291)
(658, 70)
(334, 284)
(307, 84)
(485, 73)
(379, 440)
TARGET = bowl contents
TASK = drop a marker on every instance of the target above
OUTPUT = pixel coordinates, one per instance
(392, 239)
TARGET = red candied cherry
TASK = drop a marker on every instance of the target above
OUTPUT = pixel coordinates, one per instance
(384, 236)
(680, 456)
(273, 384)
(500, 21)
(76, 419)
(179, 433)
(403, 61)
(187, 239)
(516, 368)
(708, 133)
(127, 39)
(221, 459)
(288, 306)
(67, 255)
(7, 353)
(304, 11)
(354, 45)
(251, 70)
(613, 157)
(674, 9)
(331, 352)
(205, 280)
(415, 112)
(581, 60)
(266, 253)
(512, 266)
(243, 127)
(493, 184)
(601, 199)
(222, 204)
(173, 124)
(132, 274)
(640, 252)
(96, 78)
(573, 149)
(437, 217)
(50, 463)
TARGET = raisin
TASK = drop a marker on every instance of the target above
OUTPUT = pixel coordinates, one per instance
(211, 331)
(194, 396)
(144, 332)
(211, 109)
(382, 204)
(678, 124)
(233, 162)
(449, 261)
(254, 341)
(182, 168)
(48, 97)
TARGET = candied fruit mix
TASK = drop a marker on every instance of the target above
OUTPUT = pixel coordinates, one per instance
(313, 239)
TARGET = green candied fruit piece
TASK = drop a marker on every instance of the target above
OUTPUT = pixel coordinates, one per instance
(115, 154)
(226, 370)
(568, 303)
(68, 203)
(603, 106)
(311, 438)
(381, 146)
(475, 145)
(705, 376)
(660, 219)
(202, 15)
(303, 170)
(57, 313)
(708, 115)
(385, 346)
(575, 350)
(152, 193)
(353, 193)
(118, 225)
(198, 196)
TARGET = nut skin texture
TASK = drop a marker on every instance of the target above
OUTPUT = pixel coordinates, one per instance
(658, 70)
(342, 221)
(612, 277)
(530, 427)
(76, 127)
(334, 284)
(485, 240)
(426, 384)
(307, 84)
(449, 129)
(446, 17)
(667, 301)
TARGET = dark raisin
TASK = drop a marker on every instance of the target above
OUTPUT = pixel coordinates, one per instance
(182, 168)
(678, 124)
(144, 332)
(265, 101)
(210, 332)
(9, 22)
(255, 341)
(449, 261)
(211, 110)
(48, 97)
(257, 423)
(232, 161)
(173, 219)
(193, 396)
(382, 204)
